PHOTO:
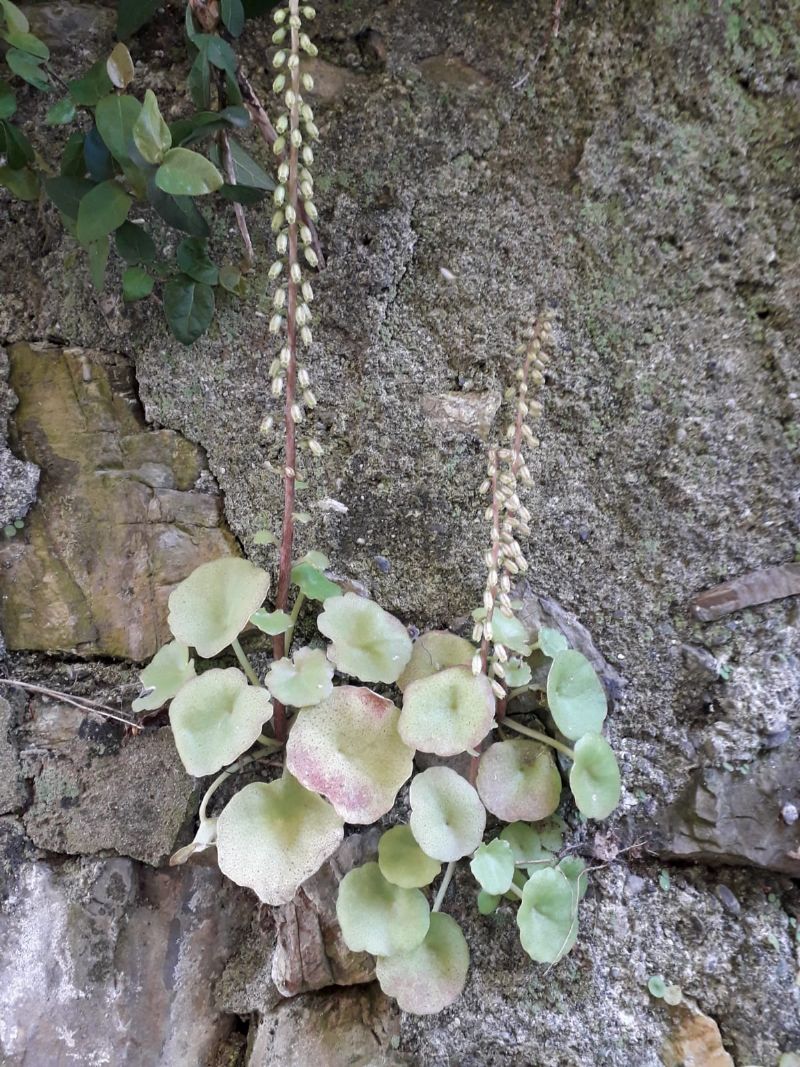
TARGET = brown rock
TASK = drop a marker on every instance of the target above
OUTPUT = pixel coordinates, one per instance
(310, 953)
(463, 412)
(119, 521)
(695, 1042)
(345, 1028)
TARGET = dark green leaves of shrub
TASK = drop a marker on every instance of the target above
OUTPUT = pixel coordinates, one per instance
(133, 14)
(187, 173)
(134, 244)
(29, 68)
(102, 210)
(92, 87)
(189, 307)
(179, 211)
(116, 116)
(193, 259)
(232, 13)
(67, 193)
(61, 113)
(8, 100)
(150, 133)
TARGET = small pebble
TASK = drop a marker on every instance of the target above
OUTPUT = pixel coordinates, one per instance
(790, 814)
(727, 899)
(383, 564)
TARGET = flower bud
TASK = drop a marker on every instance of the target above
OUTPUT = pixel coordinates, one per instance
(279, 194)
(316, 448)
(305, 336)
(296, 413)
(311, 257)
(282, 125)
(277, 386)
(309, 400)
(308, 292)
(294, 22)
(312, 131)
(282, 243)
(279, 35)
(309, 13)
(279, 58)
(279, 299)
(279, 146)
(290, 98)
(279, 84)
(303, 378)
(308, 82)
(306, 190)
(283, 169)
(277, 221)
(266, 425)
(280, 15)
(296, 273)
(297, 138)
(275, 323)
(477, 663)
(284, 357)
(275, 270)
(308, 155)
(305, 235)
(293, 61)
(291, 214)
(311, 210)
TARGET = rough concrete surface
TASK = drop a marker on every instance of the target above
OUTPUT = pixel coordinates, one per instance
(639, 175)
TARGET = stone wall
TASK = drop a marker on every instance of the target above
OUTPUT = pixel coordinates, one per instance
(639, 174)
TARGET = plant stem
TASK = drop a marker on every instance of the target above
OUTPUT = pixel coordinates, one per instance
(289, 635)
(234, 767)
(238, 210)
(290, 452)
(82, 703)
(245, 663)
(538, 736)
(444, 885)
(515, 889)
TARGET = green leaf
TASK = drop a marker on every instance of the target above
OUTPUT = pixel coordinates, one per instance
(193, 259)
(216, 717)
(242, 194)
(245, 168)
(511, 633)
(548, 916)
(551, 642)
(199, 80)
(164, 675)
(209, 609)
(217, 51)
(28, 68)
(92, 87)
(15, 19)
(487, 902)
(518, 780)
(8, 100)
(301, 681)
(150, 133)
(273, 836)
(378, 917)
(98, 260)
(264, 537)
(366, 641)
(313, 582)
(205, 123)
(119, 66)
(230, 278)
(575, 695)
(189, 308)
(73, 163)
(134, 244)
(115, 116)
(98, 159)
(22, 182)
(179, 211)
(447, 817)
(271, 622)
(493, 866)
(517, 673)
(136, 284)
(526, 844)
(574, 868)
(594, 778)
(656, 986)
(435, 651)
(27, 42)
(402, 861)
(232, 13)
(67, 193)
(187, 173)
(18, 149)
(60, 113)
(432, 976)
(133, 14)
(101, 211)
(447, 712)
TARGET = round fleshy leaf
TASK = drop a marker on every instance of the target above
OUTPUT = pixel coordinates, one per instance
(402, 861)
(272, 836)
(551, 642)
(519, 780)
(348, 749)
(211, 607)
(594, 778)
(448, 712)
(367, 642)
(493, 866)
(164, 675)
(215, 718)
(573, 867)
(551, 833)
(526, 844)
(575, 695)
(435, 651)
(517, 673)
(447, 817)
(487, 902)
(511, 633)
(548, 915)
(271, 622)
(433, 976)
(378, 917)
(313, 583)
(305, 679)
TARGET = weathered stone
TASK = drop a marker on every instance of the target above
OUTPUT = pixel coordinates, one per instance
(725, 817)
(348, 1028)
(18, 480)
(695, 1042)
(66, 26)
(310, 953)
(130, 795)
(12, 788)
(105, 962)
(119, 521)
(458, 413)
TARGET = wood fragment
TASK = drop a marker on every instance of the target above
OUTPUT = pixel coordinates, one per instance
(758, 587)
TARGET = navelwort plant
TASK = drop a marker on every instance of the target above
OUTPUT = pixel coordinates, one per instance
(346, 750)
(127, 175)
